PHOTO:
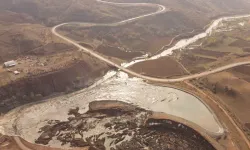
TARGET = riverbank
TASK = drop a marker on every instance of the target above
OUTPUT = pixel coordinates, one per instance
(101, 127)
(122, 88)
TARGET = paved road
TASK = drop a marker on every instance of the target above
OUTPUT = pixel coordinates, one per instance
(161, 9)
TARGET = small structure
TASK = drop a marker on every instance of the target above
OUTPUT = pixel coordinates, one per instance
(8, 64)
(16, 72)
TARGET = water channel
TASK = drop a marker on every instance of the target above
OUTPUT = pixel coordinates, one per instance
(26, 120)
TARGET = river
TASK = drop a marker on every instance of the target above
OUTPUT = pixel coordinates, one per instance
(185, 42)
(26, 120)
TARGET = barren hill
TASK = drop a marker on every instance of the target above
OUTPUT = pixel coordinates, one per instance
(52, 12)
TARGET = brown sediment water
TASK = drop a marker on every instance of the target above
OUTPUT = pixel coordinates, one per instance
(27, 120)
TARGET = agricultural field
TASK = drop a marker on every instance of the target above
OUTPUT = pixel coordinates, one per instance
(165, 67)
(229, 42)
(232, 89)
(56, 86)
(150, 34)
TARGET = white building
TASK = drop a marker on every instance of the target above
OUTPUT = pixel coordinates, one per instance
(10, 64)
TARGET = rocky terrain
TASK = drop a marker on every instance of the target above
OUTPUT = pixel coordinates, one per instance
(117, 125)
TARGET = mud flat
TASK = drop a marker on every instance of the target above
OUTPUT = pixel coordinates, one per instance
(27, 120)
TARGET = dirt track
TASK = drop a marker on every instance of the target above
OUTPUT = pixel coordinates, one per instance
(161, 9)
(20, 144)
(134, 73)
(88, 51)
(225, 112)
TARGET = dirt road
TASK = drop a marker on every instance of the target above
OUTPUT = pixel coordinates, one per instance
(89, 51)
(161, 9)
(225, 112)
(20, 144)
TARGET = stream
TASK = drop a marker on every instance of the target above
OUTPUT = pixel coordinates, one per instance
(26, 121)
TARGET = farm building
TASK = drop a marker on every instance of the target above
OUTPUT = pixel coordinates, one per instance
(9, 64)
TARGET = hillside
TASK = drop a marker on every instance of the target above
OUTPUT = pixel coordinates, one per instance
(25, 24)
(52, 12)
(185, 18)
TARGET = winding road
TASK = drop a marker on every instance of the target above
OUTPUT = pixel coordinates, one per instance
(161, 9)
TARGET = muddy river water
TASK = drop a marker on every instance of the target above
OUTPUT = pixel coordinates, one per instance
(185, 42)
(26, 120)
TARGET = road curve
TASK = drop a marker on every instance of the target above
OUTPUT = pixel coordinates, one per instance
(161, 9)
(20, 144)
(225, 112)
